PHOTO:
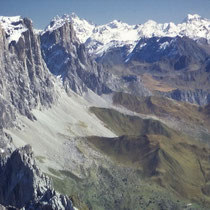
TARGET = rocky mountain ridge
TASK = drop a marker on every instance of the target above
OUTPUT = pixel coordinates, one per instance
(162, 50)
(26, 82)
(68, 59)
(100, 39)
(24, 186)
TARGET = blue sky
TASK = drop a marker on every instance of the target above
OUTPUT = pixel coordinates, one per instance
(103, 11)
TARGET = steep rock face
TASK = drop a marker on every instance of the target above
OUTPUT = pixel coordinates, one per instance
(25, 81)
(6, 111)
(67, 58)
(25, 84)
(23, 184)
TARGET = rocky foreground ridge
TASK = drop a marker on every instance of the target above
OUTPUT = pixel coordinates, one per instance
(24, 186)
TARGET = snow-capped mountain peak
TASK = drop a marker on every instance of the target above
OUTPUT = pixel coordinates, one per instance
(192, 17)
(57, 22)
(195, 27)
(150, 23)
(101, 38)
(116, 24)
(82, 27)
(116, 33)
(13, 26)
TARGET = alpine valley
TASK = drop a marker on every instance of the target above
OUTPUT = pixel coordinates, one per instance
(104, 117)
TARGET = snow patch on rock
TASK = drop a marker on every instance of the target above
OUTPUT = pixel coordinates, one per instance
(13, 26)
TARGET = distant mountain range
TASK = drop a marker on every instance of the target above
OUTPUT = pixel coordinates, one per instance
(100, 38)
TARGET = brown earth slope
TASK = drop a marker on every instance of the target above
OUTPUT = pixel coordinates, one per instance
(165, 157)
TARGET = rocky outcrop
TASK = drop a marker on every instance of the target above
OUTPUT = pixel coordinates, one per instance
(23, 185)
(25, 81)
(68, 59)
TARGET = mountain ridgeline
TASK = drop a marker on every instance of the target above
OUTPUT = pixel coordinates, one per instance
(128, 105)
(176, 55)
(66, 57)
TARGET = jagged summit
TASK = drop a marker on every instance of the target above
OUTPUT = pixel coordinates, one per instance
(57, 22)
(99, 39)
(116, 31)
(13, 26)
(84, 28)
(115, 24)
(191, 17)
